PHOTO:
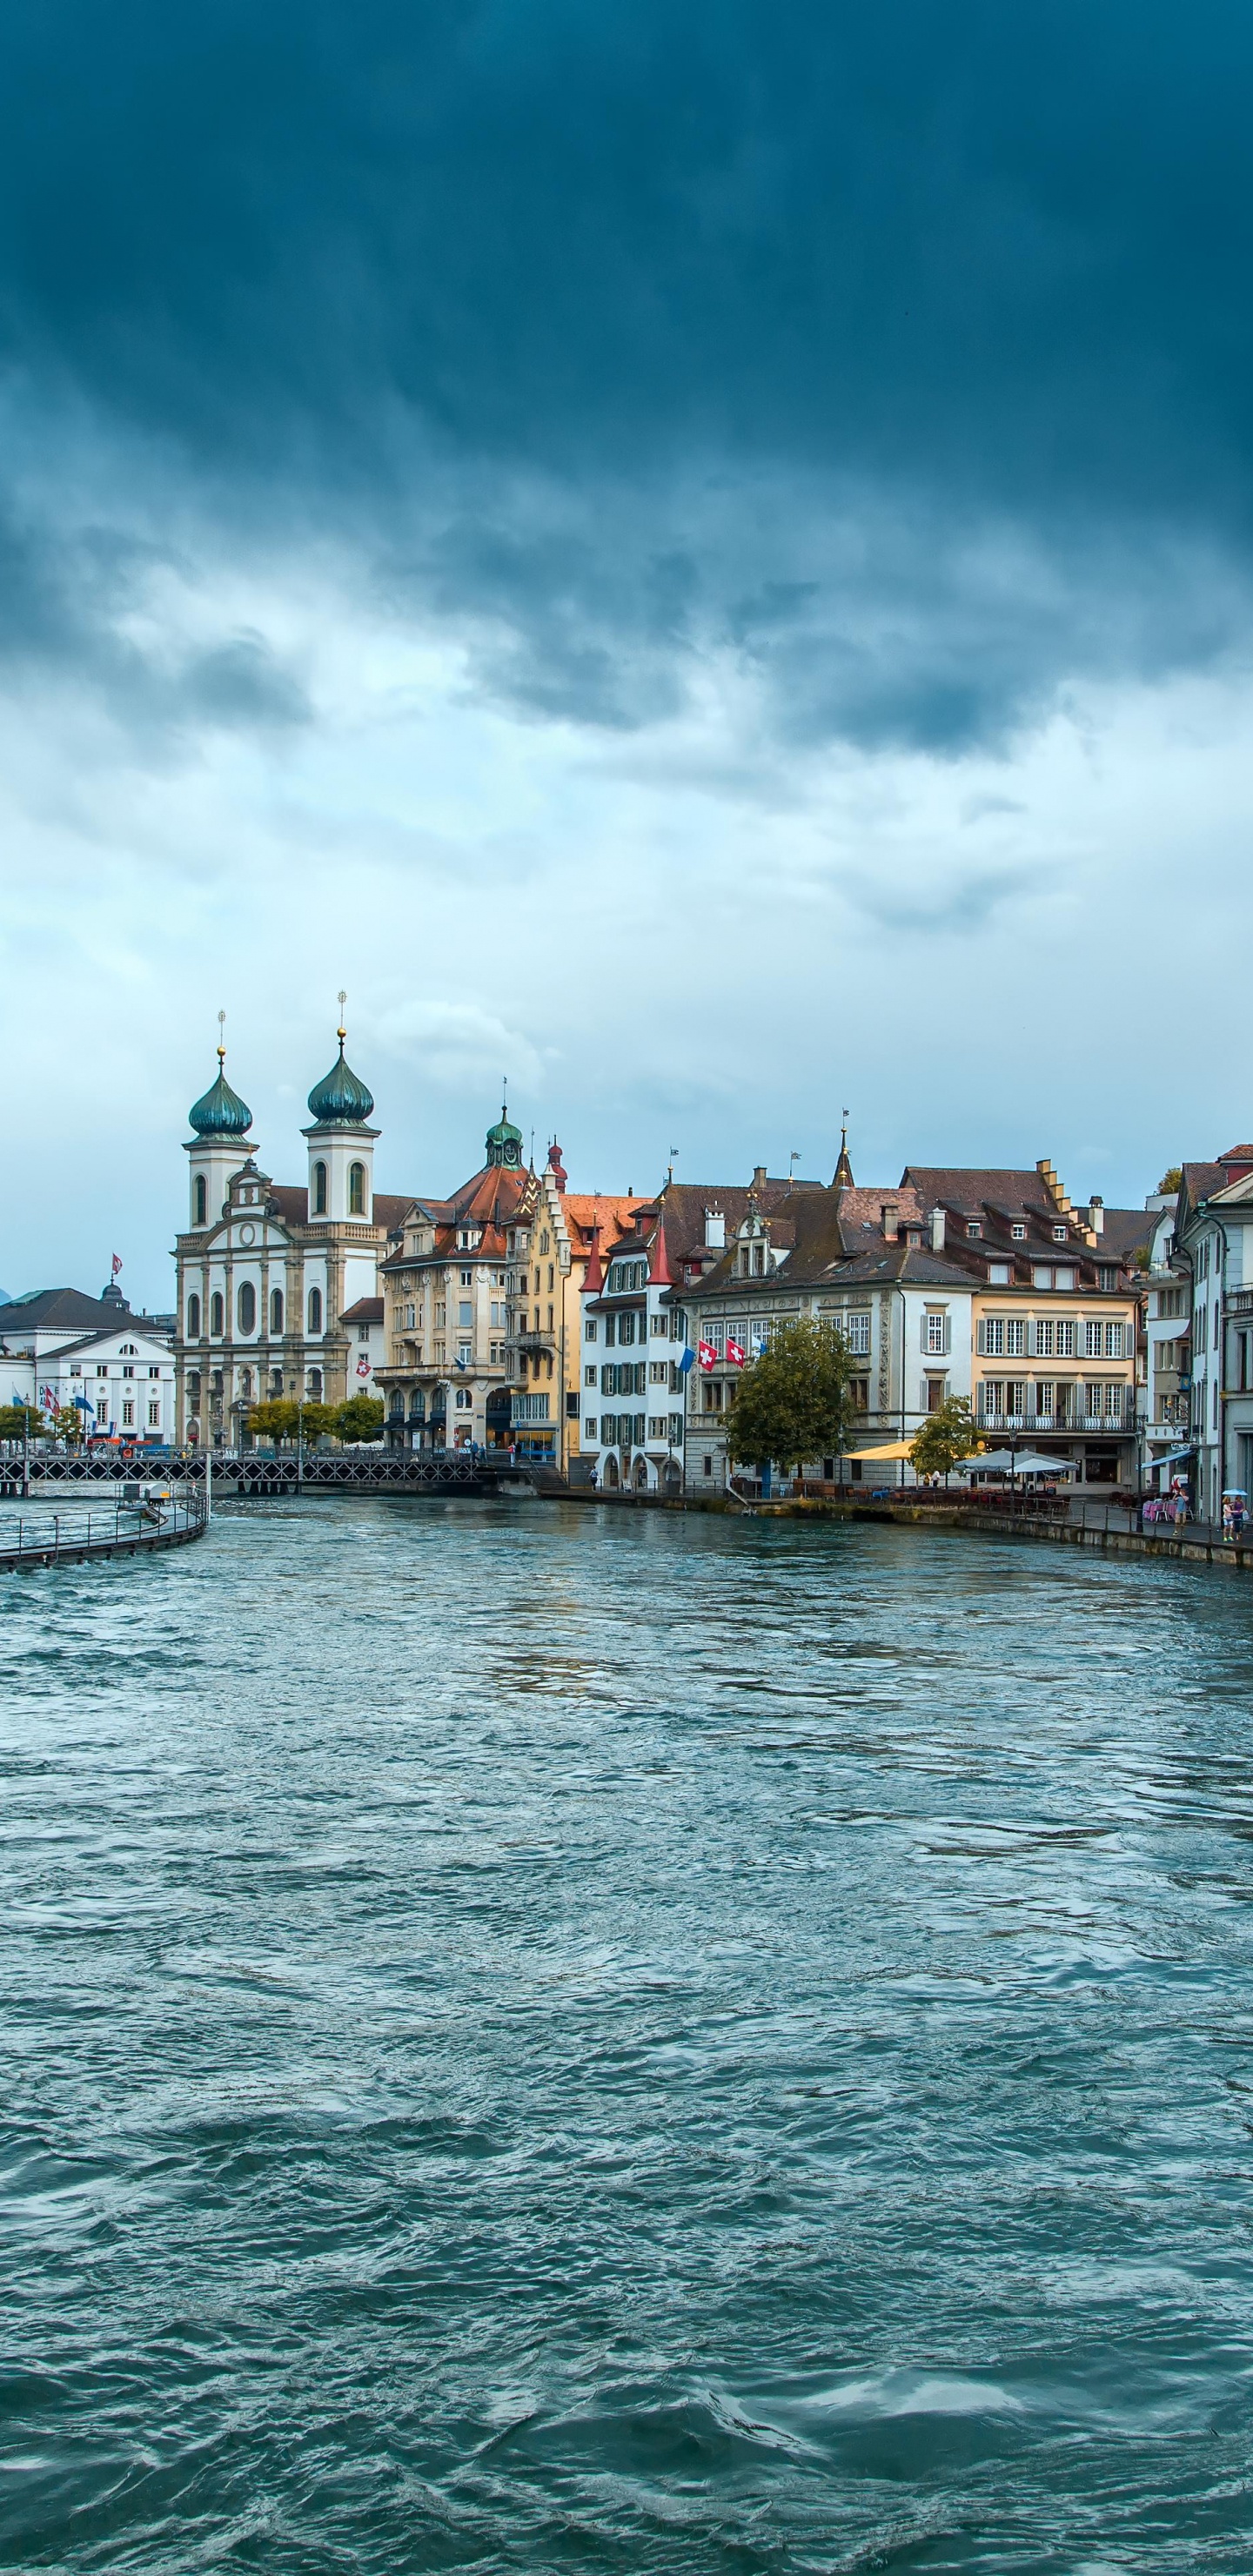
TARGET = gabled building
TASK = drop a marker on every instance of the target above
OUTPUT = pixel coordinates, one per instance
(639, 1296)
(862, 1260)
(116, 1369)
(1212, 1258)
(1055, 1311)
(266, 1271)
(445, 1377)
(552, 1251)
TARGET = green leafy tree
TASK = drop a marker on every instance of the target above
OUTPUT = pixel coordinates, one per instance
(318, 1420)
(947, 1435)
(67, 1423)
(792, 1403)
(361, 1418)
(1170, 1180)
(275, 1420)
(17, 1420)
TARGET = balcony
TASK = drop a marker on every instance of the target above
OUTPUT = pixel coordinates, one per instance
(1114, 1426)
(536, 1341)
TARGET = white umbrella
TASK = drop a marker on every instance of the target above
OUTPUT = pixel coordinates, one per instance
(1003, 1462)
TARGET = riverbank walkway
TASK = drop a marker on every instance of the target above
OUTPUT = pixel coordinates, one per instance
(40, 1535)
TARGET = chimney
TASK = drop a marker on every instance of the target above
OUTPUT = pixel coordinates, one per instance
(759, 1176)
(1096, 1215)
(937, 1229)
(888, 1215)
(715, 1229)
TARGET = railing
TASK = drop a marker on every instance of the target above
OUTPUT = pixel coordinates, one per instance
(1113, 1424)
(127, 1527)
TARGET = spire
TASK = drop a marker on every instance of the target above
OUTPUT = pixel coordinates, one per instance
(595, 1279)
(504, 1141)
(220, 1111)
(557, 1167)
(844, 1170)
(658, 1266)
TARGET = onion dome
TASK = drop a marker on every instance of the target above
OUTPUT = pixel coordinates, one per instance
(339, 1099)
(504, 1143)
(221, 1112)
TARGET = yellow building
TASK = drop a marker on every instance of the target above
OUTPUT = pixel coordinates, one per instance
(551, 1246)
(1054, 1310)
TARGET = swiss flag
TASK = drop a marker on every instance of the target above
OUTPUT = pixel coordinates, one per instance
(735, 1351)
(705, 1356)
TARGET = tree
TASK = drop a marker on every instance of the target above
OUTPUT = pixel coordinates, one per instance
(17, 1421)
(1170, 1180)
(947, 1435)
(67, 1422)
(318, 1419)
(361, 1418)
(275, 1420)
(792, 1403)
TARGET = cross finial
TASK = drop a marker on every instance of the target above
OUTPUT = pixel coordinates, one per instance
(221, 1040)
(341, 1032)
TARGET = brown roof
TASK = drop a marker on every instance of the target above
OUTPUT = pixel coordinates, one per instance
(953, 1185)
(368, 1310)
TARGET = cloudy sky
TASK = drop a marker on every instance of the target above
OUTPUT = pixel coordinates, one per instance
(698, 555)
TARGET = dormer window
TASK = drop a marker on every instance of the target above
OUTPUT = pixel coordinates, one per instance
(973, 1230)
(1059, 1234)
(1018, 1233)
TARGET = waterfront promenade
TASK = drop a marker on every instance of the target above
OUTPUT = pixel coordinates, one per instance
(625, 2039)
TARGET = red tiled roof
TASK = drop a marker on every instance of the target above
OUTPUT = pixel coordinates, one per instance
(368, 1310)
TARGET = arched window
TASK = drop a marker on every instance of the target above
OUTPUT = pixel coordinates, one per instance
(200, 1197)
(246, 1307)
(319, 1189)
(356, 1189)
(315, 1310)
(193, 1318)
(315, 1385)
(217, 1312)
(276, 1310)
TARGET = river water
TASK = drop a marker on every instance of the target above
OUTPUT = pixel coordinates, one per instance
(540, 2039)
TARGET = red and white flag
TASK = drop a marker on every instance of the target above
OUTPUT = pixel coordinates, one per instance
(117, 1263)
(705, 1356)
(735, 1351)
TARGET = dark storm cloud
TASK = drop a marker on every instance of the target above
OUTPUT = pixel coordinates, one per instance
(551, 310)
(62, 602)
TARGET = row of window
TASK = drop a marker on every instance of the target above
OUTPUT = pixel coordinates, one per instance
(246, 1311)
(1050, 1337)
(1106, 1399)
(629, 1430)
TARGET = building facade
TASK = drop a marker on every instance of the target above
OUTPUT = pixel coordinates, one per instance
(552, 1249)
(268, 1272)
(116, 1369)
(1212, 1259)
(445, 1376)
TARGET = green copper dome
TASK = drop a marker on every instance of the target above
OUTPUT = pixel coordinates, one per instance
(504, 1144)
(339, 1100)
(221, 1112)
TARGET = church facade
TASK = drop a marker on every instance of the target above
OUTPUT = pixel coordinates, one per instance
(269, 1273)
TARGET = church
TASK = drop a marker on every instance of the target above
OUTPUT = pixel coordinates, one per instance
(273, 1279)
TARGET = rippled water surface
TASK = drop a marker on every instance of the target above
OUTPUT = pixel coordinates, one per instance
(547, 2039)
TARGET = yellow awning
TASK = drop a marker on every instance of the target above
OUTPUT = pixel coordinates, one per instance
(890, 1449)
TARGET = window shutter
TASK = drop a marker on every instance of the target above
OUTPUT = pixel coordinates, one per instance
(948, 1335)
(982, 1336)
(922, 1333)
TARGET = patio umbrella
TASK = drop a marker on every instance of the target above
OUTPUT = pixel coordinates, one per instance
(890, 1449)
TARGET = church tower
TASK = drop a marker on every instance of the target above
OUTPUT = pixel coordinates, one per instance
(221, 1121)
(341, 1146)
